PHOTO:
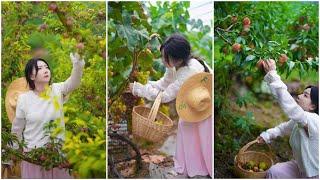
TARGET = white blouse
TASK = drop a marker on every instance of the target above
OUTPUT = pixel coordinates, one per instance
(170, 83)
(34, 112)
(304, 144)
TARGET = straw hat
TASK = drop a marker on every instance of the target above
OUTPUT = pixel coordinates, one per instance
(194, 100)
(17, 87)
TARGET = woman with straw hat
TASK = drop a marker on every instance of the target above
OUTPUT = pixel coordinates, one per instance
(303, 128)
(193, 102)
(39, 105)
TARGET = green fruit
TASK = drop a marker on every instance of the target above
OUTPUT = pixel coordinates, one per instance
(262, 165)
(250, 165)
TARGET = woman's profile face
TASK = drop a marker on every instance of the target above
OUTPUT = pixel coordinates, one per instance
(43, 75)
(168, 65)
(304, 100)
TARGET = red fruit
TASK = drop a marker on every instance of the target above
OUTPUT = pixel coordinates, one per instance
(49, 146)
(306, 27)
(246, 28)
(246, 21)
(53, 7)
(303, 19)
(69, 21)
(134, 18)
(84, 129)
(225, 50)
(236, 47)
(259, 64)
(101, 14)
(234, 19)
(65, 35)
(89, 97)
(80, 46)
(283, 58)
(43, 27)
(43, 157)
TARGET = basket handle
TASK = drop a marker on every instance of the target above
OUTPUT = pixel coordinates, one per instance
(155, 107)
(244, 148)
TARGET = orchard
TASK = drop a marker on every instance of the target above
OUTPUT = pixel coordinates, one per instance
(52, 30)
(245, 35)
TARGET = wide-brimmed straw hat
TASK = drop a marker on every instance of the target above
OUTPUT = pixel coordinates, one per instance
(194, 99)
(17, 87)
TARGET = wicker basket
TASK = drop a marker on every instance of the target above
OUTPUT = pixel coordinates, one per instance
(245, 156)
(144, 125)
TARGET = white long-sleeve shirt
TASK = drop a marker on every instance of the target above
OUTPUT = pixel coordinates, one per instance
(304, 144)
(33, 111)
(170, 83)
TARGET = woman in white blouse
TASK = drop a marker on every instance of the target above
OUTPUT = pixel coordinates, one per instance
(40, 105)
(303, 128)
(194, 140)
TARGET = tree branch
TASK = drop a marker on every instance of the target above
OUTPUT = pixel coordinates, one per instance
(223, 38)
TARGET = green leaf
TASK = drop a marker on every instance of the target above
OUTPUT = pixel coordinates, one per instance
(250, 58)
(290, 65)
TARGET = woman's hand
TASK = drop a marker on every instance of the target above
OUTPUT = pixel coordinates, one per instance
(269, 65)
(260, 140)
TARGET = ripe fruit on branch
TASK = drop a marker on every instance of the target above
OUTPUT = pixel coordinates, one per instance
(53, 7)
(283, 58)
(306, 27)
(234, 19)
(43, 27)
(69, 21)
(246, 28)
(80, 46)
(43, 157)
(101, 14)
(246, 21)
(236, 47)
(134, 18)
(259, 64)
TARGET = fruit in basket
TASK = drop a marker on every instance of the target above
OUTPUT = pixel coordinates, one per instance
(159, 122)
(255, 169)
(263, 165)
(250, 165)
(261, 170)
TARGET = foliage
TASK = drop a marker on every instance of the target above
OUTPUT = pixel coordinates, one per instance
(33, 29)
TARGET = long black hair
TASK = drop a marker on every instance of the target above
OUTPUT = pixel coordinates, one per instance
(33, 63)
(314, 95)
(176, 47)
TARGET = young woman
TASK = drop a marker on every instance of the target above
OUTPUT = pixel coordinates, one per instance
(303, 128)
(194, 140)
(41, 104)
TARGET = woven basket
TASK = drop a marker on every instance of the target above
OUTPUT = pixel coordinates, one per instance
(144, 122)
(245, 156)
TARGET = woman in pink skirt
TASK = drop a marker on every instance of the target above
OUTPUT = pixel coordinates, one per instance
(193, 155)
(33, 111)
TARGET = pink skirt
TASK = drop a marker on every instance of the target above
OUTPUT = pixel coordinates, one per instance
(194, 148)
(32, 171)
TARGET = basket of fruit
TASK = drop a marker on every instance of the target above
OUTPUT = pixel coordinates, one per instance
(149, 123)
(252, 164)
